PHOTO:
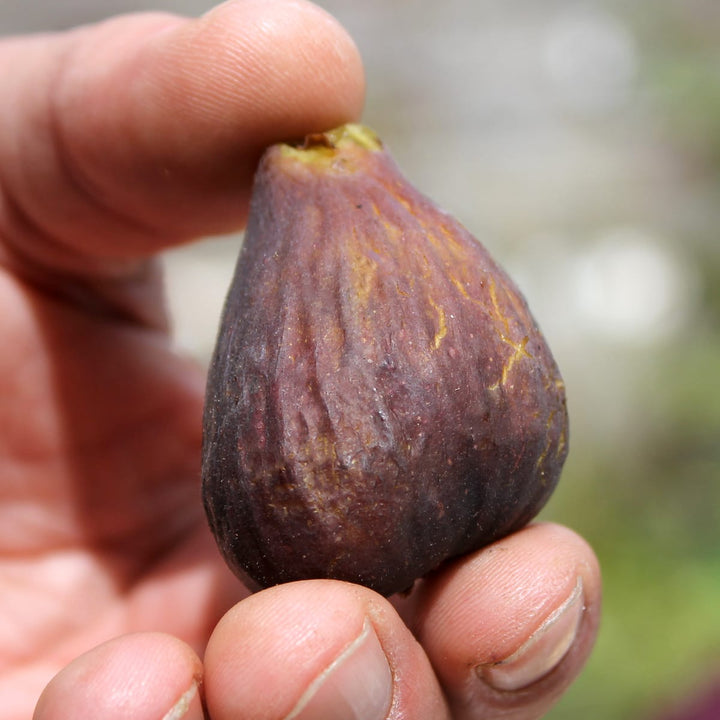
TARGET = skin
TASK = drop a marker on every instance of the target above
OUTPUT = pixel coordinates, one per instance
(117, 141)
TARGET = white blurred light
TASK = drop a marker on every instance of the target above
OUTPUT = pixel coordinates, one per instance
(591, 59)
(629, 286)
(197, 278)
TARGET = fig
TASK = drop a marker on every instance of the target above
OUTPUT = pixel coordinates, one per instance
(380, 398)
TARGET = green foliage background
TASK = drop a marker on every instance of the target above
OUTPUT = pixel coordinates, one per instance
(652, 511)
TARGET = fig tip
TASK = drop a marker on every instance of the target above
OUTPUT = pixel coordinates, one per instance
(323, 146)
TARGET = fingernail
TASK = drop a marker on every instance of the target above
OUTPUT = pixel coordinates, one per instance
(181, 708)
(543, 650)
(357, 685)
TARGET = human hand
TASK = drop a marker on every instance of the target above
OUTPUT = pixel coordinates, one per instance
(117, 141)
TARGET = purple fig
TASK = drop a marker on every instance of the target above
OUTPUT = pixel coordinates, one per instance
(380, 398)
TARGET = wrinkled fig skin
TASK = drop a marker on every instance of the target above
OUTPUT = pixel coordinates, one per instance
(380, 398)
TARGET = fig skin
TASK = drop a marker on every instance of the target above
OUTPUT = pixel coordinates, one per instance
(380, 398)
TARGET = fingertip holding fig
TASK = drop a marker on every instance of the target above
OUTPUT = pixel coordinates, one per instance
(357, 685)
(187, 706)
(543, 651)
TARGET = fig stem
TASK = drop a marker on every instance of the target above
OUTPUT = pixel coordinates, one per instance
(321, 147)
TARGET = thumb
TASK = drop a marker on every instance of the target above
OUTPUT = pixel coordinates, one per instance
(121, 138)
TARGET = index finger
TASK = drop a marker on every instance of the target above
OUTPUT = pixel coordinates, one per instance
(119, 139)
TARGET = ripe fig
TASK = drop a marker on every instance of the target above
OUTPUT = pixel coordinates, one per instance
(380, 398)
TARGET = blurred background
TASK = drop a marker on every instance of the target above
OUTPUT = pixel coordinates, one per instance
(580, 142)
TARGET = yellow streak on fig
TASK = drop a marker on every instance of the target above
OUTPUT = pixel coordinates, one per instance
(520, 352)
(562, 441)
(400, 291)
(463, 290)
(519, 348)
(453, 244)
(546, 451)
(498, 311)
(441, 332)
(363, 275)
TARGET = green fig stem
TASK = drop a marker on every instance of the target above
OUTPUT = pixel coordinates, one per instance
(321, 148)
